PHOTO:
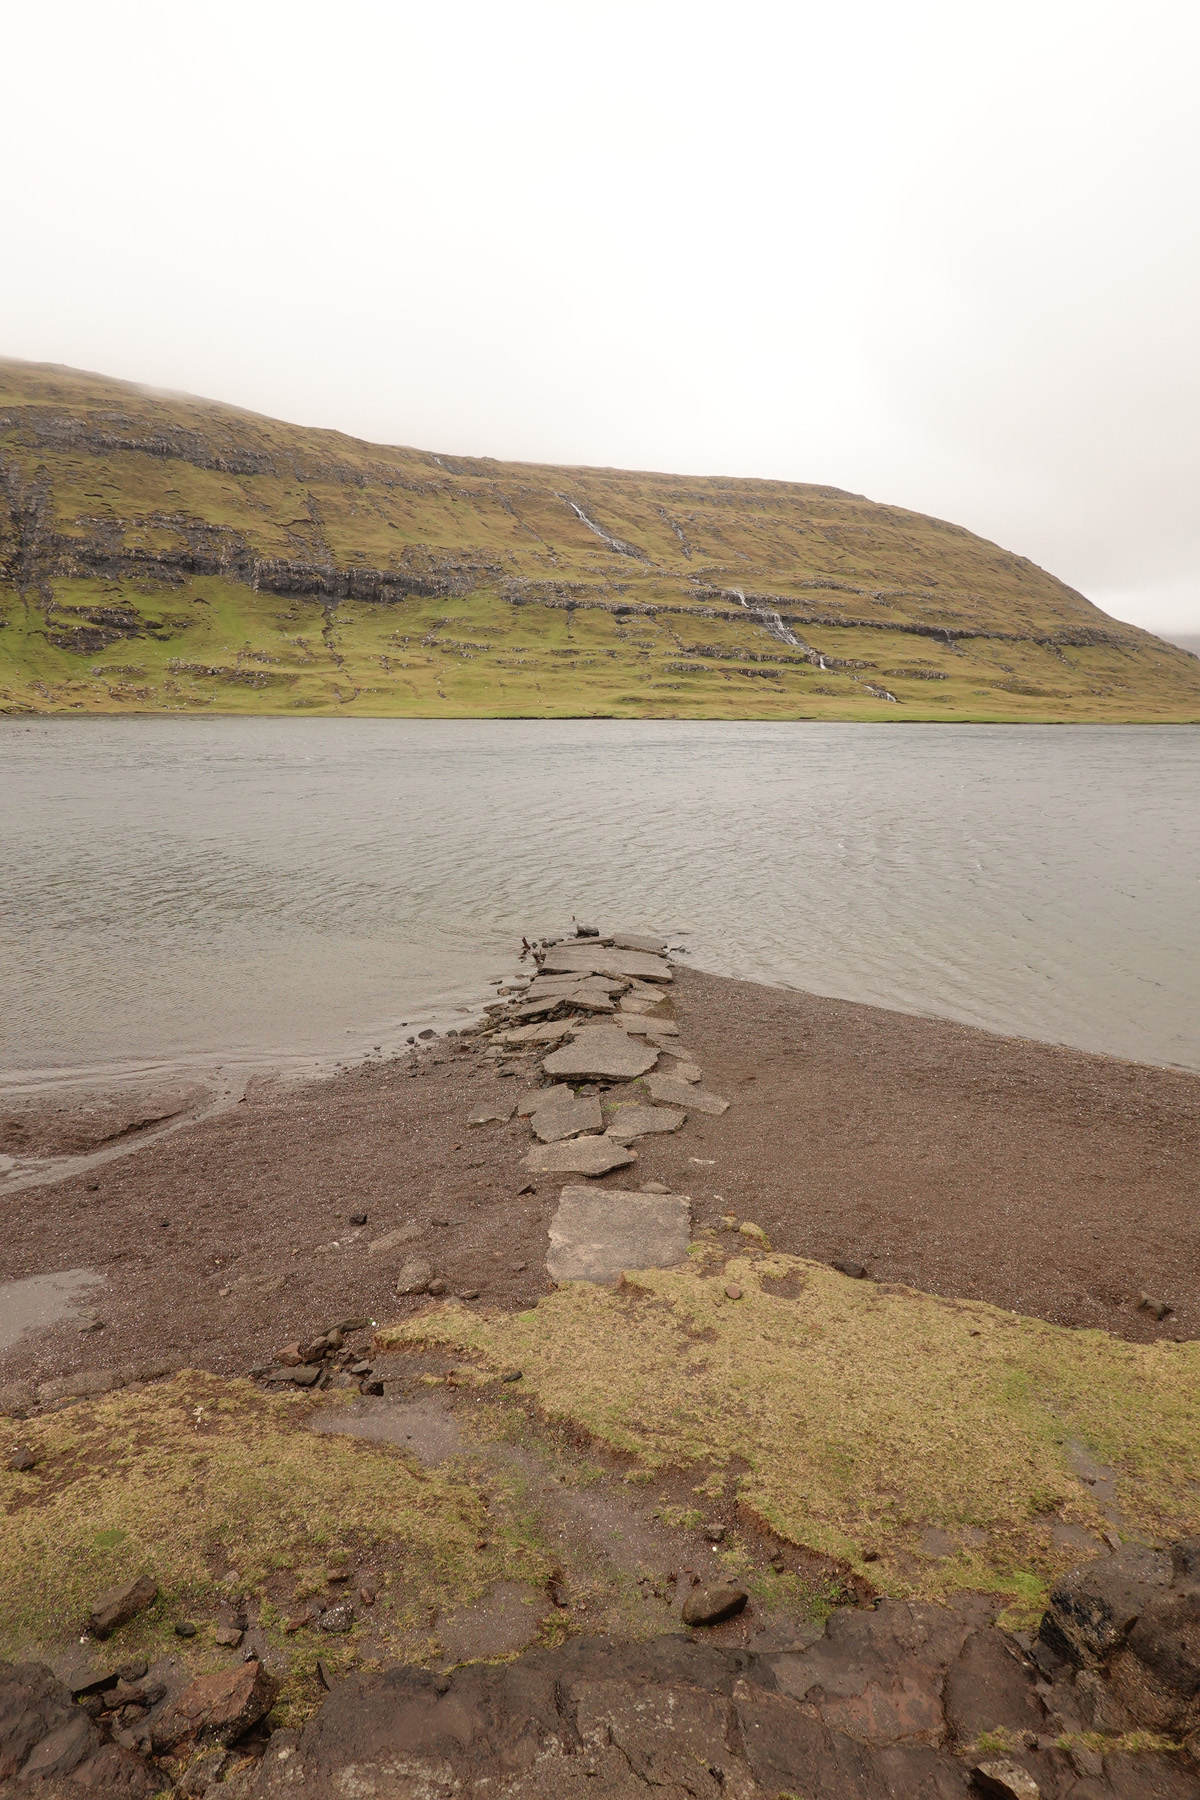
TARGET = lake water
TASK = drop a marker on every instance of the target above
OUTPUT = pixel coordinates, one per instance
(176, 894)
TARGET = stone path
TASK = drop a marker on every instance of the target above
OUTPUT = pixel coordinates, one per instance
(596, 1010)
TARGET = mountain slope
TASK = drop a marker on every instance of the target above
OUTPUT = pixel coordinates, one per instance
(160, 553)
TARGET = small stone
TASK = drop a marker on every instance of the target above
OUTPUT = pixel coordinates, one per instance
(654, 1187)
(414, 1278)
(228, 1636)
(845, 1266)
(91, 1322)
(367, 1595)
(1005, 1780)
(93, 1187)
(1158, 1309)
(133, 1671)
(336, 1620)
(714, 1533)
(711, 1606)
(468, 1293)
(358, 1218)
(438, 1286)
(121, 1604)
(22, 1459)
(184, 1628)
(513, 1375)
(732, 1291)
(529, 1188)
(427, 1033)
(307, 1375)
(587, 931)
(290, 1356)
(361, 1368)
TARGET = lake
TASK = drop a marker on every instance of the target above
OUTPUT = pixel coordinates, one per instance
(177, 894)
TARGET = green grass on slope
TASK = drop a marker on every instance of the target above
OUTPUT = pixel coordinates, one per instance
(167, 554)
(856, 1418)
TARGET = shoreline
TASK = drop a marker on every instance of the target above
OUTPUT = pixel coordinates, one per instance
(1047, 1180)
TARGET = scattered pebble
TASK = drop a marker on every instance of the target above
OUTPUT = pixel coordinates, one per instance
(732, 1291)
(184, 1628)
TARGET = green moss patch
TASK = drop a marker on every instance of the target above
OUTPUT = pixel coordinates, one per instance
(857, 1419)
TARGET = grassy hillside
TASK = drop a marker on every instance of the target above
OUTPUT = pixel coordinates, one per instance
(165, 554)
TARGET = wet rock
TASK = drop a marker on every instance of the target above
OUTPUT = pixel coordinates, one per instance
(988, 1690)
(567, 1118)
(710, 1606)
(579, 1156)
(1003, 1779)
(643, 1121)
(217, 1708)
(1093, 1608)
(604, 1052)
(672, 1092)
(121, 1604)
(414, 1278)
(42, 1732)
(598, 1233)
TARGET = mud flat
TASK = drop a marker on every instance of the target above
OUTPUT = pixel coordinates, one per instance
(711, 1350)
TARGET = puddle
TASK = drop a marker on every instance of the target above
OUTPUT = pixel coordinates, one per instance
(422, 1427)
(41, 1300)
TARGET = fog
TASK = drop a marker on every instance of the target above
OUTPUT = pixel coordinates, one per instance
(942, 254)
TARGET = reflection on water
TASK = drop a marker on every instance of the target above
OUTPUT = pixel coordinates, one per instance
(263, 890)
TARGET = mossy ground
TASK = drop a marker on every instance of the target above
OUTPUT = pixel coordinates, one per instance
(513, 608)
(853, 1418)
(222, 1492)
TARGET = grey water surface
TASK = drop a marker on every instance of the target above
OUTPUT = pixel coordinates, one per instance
(264, 891)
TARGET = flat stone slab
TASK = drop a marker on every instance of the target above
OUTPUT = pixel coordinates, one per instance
(604, 1051)
(636, 940)
(642, 1121)
(641, 1026)
(584, 960)
(579, 1156)
(552, 1033)
(678, 1093)
(567, 1118)
(684, 1071)
(536, 1098)
(597, 1233)
(567, 985)
(541, 1008)
(497, 1113)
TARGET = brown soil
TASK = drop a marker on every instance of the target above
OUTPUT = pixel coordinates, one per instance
(1034, 1177)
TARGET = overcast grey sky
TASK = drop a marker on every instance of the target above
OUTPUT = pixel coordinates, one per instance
(941, 252)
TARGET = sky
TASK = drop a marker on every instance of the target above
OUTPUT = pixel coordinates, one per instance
(940, 252)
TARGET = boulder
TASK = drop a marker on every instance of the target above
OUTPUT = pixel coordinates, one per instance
(40, 1723)
(218, 1708)
(1092, 1609)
